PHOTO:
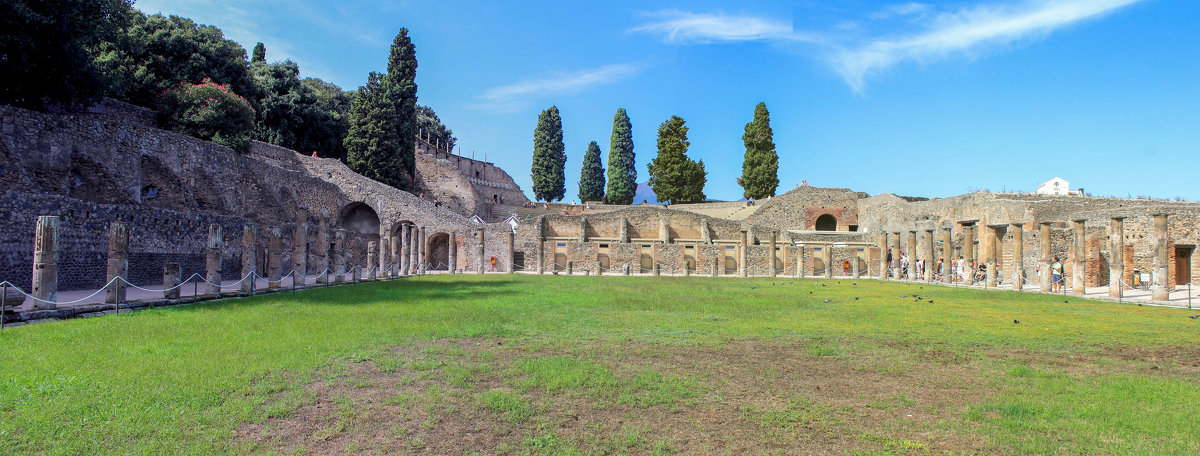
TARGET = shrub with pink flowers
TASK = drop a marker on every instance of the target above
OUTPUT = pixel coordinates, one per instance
(208, 111)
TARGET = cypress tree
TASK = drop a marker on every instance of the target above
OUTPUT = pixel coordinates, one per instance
(260, 54)
(622, 170)
(401, 86)
(760, 167)
(549, 157)
(674, 177)
(383, 119)
(591, 177)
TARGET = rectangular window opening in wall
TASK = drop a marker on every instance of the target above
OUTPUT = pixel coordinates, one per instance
(604, 246)
(518, 260)
(561, 244)
(852, 227)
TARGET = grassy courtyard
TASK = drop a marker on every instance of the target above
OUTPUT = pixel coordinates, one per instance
(585, 365)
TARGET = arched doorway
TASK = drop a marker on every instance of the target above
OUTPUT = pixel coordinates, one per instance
(826, 222)
(361, 223)
(437, 249)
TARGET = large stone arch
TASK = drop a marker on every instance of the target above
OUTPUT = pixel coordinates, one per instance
(826, 222)
(437, 248)
(361, 223)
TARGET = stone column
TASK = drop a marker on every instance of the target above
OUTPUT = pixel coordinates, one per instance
(855, 271)
(1116, 259)
(1080, 252)
(453, 258)
(420, 249)
(771, 254)
(384, 257)
(989, 254)
(828, 254)
(930, 263)
(1159, 289)
(171, 275)
(1018, 254)
(895, 256)
(372, 259)
(716, 265)
(321, 259)
(118, 261)
(883, 249)
(912, 254)
(483, 262)
(743, 254)
(968, 273)
(45, 262)
(274, 258)
(300, 248)
(406, 253)
(352, 264)
(212, 260)
(800, 261)
(512, 263)
(1044, 254)
(339, 256)
(947, 254)
(541, 254)
(249, 257)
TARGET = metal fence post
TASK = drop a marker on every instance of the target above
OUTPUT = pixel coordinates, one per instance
(3, 303)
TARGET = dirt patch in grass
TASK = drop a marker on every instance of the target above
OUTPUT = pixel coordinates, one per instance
(745, 397)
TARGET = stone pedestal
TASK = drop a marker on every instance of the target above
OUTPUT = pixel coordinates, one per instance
(212, 260)
(1079, 251)
(118, 262)
(45, 262)
(1116, 261)
(171, 277)
(1159, 288)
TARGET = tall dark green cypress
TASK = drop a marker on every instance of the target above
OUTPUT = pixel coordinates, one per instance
(674, 177)
(260, 54)
(622, 169)
(401, 86)
(760, 167)
(591, 176)
(549, 157)
(383, 120)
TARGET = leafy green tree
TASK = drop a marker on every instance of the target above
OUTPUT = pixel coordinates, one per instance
(549, 157)
(155, 53)
(299, 114)
(383, 120)
(428, 122)
(674, 177)
(760, 167)
(209, 111)
(260, 54)
(372, 136)
(591, 177)
(622, 169)
(45, 45)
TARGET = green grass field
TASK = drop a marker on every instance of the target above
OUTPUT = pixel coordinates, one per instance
(614, 365)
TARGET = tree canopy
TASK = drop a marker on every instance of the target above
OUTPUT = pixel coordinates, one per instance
(380, 142)
(549, 157)
(260, 53)
(429, 123)
(760, 166)
(622, 168)
(674, 177)
(591, 176)
(306, 115)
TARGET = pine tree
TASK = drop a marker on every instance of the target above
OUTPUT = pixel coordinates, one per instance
(401, 84)
(674, 177)
(383, 120)
(370, 141)
(549, 157)
(591, 177)
(622, 169)
(260, 54)
(760, 167)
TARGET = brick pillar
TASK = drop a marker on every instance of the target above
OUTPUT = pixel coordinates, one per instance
(1044, 256)
(300, 248)
(1079, 250)
(321, 259)
(171, 276)
(1018, 255)
(274, 258)
(249, 256)
(1159, 290)
(118, 261)
(212, 260)
(45, 262)
(1116, 260)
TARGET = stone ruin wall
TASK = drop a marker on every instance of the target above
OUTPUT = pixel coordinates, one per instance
(468, 186)
(112, 164)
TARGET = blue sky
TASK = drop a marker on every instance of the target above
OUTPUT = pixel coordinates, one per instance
(925, 99)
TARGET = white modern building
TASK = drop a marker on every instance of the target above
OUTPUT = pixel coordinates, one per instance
(1055, 186)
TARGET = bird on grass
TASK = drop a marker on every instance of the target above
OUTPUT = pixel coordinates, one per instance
(1194, 317)
(826, 300)
(1016, 322)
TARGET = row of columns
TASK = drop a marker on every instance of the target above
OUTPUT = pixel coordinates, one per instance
(990, 242)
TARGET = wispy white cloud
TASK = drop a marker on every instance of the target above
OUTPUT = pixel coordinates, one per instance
(513, 97)
(931, 35)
